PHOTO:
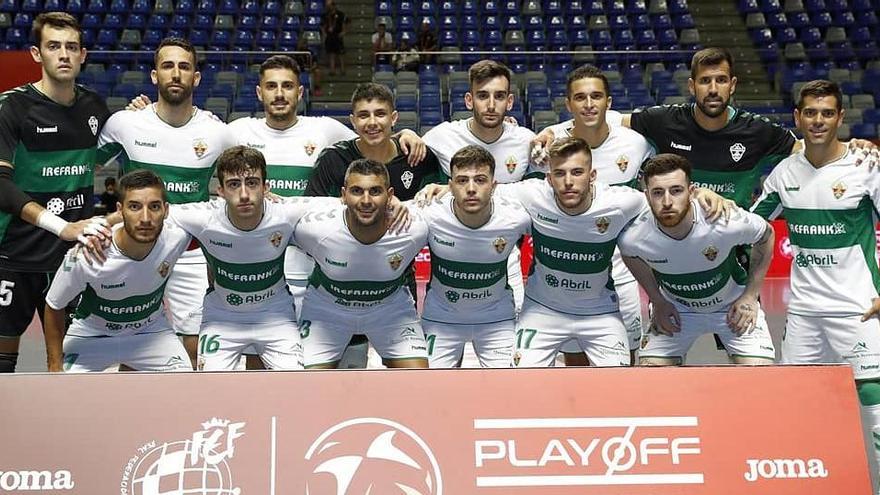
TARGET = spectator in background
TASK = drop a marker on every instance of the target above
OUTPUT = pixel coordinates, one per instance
(382, 42)
(308, 63)
(109, 196)
(427, 41)
(333, 26)
(406, 58)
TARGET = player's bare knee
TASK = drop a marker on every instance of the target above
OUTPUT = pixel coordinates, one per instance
(575, 359)
(324, 366)
(406, 363)
(660, 361)
(751, 360)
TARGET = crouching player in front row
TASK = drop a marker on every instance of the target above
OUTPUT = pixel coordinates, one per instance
(120, 318)
(689, 269)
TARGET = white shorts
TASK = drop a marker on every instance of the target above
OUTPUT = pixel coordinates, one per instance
(515, 278)
(493, 343)
(155, 351)
(630, 301)
(541, 331)
(757, 343)
(833, 339)
(392, 327)
(184, 296)
(278, 344)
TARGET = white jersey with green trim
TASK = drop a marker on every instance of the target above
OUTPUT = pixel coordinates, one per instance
(348, 273)
(511, 150)
(617, 161)
(830, 213)
(247, 267)
(572, 253)
(182, 156)
(700, 273)
(290, 157)
(121, 296)
(469, 266)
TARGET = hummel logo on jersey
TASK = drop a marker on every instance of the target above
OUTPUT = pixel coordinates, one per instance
(839, 188)
(255, 146)
(220, 243)
(664, 260)
(93, 125)
(145, 144)
(683, 147)
(408, 332)
(737, 151)
(407, 179)
(792, 188)
(859, 347)
(341, 264)
(47, 130)
(443, 242)
(174, 361)
(548, 219)
(113, 286)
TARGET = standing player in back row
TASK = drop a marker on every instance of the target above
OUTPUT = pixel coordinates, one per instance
(489, 98)
(180, 143)
(831, 206)
(689, 269)
(471, 234)
(48, 135)
(618, 154)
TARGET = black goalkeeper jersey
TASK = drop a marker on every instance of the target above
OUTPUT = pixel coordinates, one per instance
(52, 148)
(328, 176)
(729, 161)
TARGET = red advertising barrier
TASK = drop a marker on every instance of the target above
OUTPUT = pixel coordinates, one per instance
(780, 266)
(18, 68)
(699, 431)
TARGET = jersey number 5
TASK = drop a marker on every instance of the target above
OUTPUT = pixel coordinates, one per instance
(6, 292)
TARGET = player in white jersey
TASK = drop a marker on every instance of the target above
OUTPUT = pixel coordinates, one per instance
(244, 238)
(690, 270)
(830, 206)
(490, 99)
(180, 143)
(570, 294)
(618, 154)
(358, 286)
(120, 318)
(471, 235)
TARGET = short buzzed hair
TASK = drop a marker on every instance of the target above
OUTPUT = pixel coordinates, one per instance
(140, 179)
(665, 163)
(280, 62)
(58, 20)
(472, 156)
(584, 72)
(365, 166)
(179, 42)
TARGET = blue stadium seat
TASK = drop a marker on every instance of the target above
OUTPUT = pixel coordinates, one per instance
(8, 6)
(624, 39)
(558, 38)
(290, 22)
(198, 37)
(844, 19)
(206, 7)
(492, 38)
(448, 38)
(227, 7)
(176, 33)
(202, 21)
(677, 6)
(406, 7)
(489, 7)
(247, 22)
(268, 22)
(221, 38)
(75, 6)
(785, 36)
(811, 36)
(180, 21)
(668, 38)
(448, 7)
(158, 22)
(249, 7)
(266, 39)
(822, 20)
(553, 7)
(288, 39)
(406, 103)
(513, 23)
(536, 40)
(770, 6)
(52, 5)
(31, 6)
(618, 22)
(615, 7)
(468, 21)
(384, 8)
(683, 21)
(867, 19)
(469, 7)
(470, 37)
(646, 38)
(594, 7)
(863, 131)
(871, 116)
(243, 39)
(641, 21)
(315, 7)
(662, 21)
(798, 20)
(184, 7)
(574, 7)
(534, 23)
(89, 21)
(113, 21)
(427, 8)
(272, 7)
(97, 7)
(151, 39)
(136, 21)
(406, 23)
(748, 6)
(815, 6)
(16, 36)
(430, 117)
(107, 37)
(600, 38)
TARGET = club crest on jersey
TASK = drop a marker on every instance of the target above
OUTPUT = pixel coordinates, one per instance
(622, 162)
(310, 148)
(838, 188)
(93, 125)
(517, 357)
(500, 243)
(602, 224)
(710, 252)
(164, 267)
(394, 260)
(275, 238)
(407, 179)
(200, 147)
(511, 164)
(737, 151)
